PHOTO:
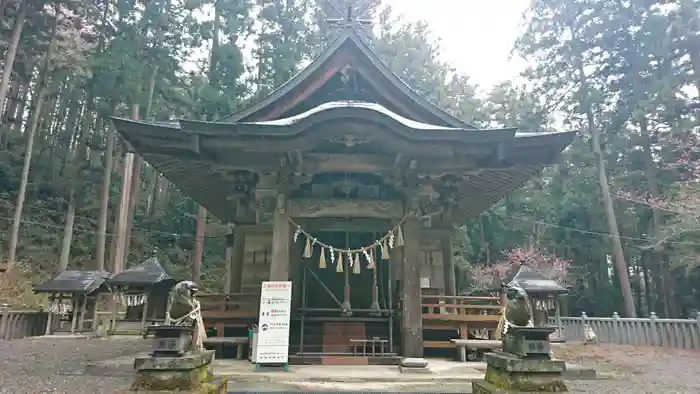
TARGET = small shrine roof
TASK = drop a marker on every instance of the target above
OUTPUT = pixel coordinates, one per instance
(149, 272)
(79, 282)
(535, 283)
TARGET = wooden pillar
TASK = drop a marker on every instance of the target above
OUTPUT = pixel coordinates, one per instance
(557, 317)
(49, 320)
(74, 310)
(411, 310)
(199, 245)
(396, 258)
(448, 267)
(235, 253)
(144, 314)
(228, 257)
(281, 240)
(95, 314)
(83, 310)
(296, 267)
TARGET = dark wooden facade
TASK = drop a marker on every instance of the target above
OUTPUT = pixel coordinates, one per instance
(344, 146)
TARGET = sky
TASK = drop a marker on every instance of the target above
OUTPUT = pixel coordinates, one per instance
(476, 35)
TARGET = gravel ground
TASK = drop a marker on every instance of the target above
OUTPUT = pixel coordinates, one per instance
(638, 370)
(35, 366)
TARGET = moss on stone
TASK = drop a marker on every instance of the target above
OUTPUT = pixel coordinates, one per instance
(525, 382)
(172, 380)
(210, 386)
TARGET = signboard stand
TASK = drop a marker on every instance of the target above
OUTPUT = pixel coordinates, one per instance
(272, 347)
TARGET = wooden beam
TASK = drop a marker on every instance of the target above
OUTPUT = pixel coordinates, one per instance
(339, 162)
(316, 208)
(346, 224)
(252, 229)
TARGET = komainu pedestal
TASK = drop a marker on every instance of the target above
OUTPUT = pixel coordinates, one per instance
(190, 373)
(525, 365)
(179, 363)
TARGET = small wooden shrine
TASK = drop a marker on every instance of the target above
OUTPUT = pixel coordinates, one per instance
(545, 294)
(73, 296)
(143, 293)
(346, 182)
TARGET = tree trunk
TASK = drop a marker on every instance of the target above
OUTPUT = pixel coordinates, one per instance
(104, 200)
(134, 189)
(199, 244)
(163, 196)
(11, 53)
(122, 219)
(152, 193)
(618, 253)
(138, 165)
(67, 232)
(42, 90)
(19, 115)
(651, 175)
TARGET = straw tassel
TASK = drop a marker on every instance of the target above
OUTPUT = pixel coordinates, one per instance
(356, 266)
(307, 249)
(370, 259)
(399, 236)
(322, 259)
(385, 251)
(339, 264)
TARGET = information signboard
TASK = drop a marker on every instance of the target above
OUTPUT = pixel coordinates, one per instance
(273, 323)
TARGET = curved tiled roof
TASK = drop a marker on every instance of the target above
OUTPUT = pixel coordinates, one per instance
(73, 281)
(348, 42)
(147, 273)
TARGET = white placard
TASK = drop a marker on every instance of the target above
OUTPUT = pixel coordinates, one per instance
(273, 323)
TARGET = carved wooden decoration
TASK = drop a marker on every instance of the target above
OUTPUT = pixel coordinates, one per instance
(317, 208)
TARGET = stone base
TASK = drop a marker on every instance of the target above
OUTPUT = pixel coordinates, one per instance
(271, 368)
(214, 386)
(410, 362)
(484, 387)
(512, 363)
(413, 365)
(509, 373)
(191, 372)
(403, 369)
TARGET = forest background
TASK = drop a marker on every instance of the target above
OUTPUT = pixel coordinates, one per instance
(618, 218)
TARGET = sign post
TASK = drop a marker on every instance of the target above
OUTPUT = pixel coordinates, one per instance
(273, 324)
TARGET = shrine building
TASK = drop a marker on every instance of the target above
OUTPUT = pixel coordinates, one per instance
(347, 182)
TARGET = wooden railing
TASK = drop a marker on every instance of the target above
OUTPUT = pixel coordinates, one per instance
(461, 308)
(15, 324)
(461, 305)
(478, 315)
(227, 305)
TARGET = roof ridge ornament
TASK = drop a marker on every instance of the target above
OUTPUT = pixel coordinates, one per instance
(351, 14)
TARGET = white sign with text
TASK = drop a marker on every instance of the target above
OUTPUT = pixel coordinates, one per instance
(273, 323)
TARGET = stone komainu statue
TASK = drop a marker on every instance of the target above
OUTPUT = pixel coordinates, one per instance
(184, 309)
(518, 310)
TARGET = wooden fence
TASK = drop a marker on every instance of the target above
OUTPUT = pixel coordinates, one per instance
(21, 324)
(651, 331)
